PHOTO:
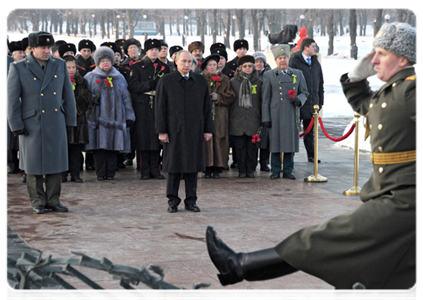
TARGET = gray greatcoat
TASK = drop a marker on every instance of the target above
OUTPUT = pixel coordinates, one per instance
(184, 112)
(278, 109)
(43, 104)
(374, 244)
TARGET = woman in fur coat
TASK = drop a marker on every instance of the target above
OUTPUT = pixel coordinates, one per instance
(222, 96)
(110, 117)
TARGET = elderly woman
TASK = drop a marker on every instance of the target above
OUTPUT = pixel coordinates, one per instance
(111, 116)
(222, 96)
(245, 115)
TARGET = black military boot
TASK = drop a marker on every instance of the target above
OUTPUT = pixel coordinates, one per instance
(253, 266)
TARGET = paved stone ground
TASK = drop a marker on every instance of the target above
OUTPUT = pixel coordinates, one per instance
(125, 220)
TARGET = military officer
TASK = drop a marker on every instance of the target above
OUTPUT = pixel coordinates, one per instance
(374, 246)
(41, 104)
(241, 49)
(284, 92)
(84, 61)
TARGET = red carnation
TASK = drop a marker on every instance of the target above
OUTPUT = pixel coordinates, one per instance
(163, 67)
(72, 79)
(131, 62)
(98, 81)
(155, 65)
(199, 63)
(217, 77)
(217, 83)
(258, 140)
(292, 93)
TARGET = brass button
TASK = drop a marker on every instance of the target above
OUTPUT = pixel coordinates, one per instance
(55, 109)
(35, 78)
(370, 126)
(394, 84)
(383, 104)
(380, 170)
(55, 76)
(371, 105)
(281, 99)
(280, 87)
(380, 148)
(281, 93)
(42, 111)
(42, 95)
(54, 93)
(379, 126)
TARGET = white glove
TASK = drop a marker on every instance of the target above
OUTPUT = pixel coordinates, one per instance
(364, 68)
(214, 96)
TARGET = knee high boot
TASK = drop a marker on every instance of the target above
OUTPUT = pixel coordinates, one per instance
(253, 266)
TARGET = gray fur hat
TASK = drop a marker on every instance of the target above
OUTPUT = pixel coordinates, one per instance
(261, 56)
(279, 50)
(104, 52)
(399, 38)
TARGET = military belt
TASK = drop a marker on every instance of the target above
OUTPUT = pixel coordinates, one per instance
(393, 158)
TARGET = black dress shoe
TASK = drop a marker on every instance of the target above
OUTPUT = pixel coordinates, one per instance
(192, 207)
(289, 176)
(128, 162)
(89, 168)
(100, 178)
(145, 177)
(121, 166)
(76, 179)
(110, 178)
(158, 176)
(242, 175)
(265, 168)
(311, 159)
(172, 209)
(275, 175)
(207, 175)
(250, 175)
(39, 209)
(57, 208)
(216, 175)
(234, 166)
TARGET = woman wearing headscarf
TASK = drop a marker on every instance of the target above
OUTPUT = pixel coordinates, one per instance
(245, 114)
(222, 96)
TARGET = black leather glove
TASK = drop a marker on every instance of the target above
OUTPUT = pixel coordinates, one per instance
(129, 123)
(296, 102)
(96, 100)
(20, 132)
(267, 124)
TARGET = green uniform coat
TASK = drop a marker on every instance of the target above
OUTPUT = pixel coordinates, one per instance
(376, 243)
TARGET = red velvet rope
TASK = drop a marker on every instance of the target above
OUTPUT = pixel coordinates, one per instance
(308, 129)
(336, 139)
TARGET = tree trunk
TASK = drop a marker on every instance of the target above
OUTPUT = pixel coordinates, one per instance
(378, 21)
(331, 32)
(353, 29)
(255, 28)
(241, 23)
(228, 29)
(214, 25)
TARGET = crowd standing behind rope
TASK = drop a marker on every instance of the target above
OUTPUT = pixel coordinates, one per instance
(115, 99)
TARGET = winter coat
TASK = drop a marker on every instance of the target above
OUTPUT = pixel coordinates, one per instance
(303, 35)
(107, 120)
(266, 68)
(83, 99)
(85, 65)
(278, 109)
(232, 65)
(142, 79)
(7, 61)
(374, 244)
(42, 103)
(244, 120)
(314, 78)
(184, 112)
(217, 148)
(12, 140)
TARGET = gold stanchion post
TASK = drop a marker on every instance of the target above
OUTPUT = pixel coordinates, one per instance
(316, 177)
(355, 190)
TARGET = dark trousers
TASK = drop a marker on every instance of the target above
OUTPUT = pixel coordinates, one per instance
(309, 138)
(105, 162)
(149, 162)
(264, 157)
(172, 188)
(12, 160)
(89, 159)
(288, 162)
(40, 196)
(246, 154)
(75, 160)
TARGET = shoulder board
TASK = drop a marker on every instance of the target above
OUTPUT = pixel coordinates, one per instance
(92, 66)
(81, 67)
(410, 78)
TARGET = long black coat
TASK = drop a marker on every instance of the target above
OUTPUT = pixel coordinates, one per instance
(184, 112)
(85, 65)
(140, 81)
(314, 78)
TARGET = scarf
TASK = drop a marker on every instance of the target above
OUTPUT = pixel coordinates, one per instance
(245, 91)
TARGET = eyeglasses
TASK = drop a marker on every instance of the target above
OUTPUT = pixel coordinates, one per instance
(247, 66)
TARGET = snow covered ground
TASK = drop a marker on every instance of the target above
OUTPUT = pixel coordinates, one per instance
(333, 67)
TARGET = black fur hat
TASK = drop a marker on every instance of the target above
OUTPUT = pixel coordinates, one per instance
(40, 39)
(240, 44)
(214, 57)
(130, 42)
(15, 46)
(63, 48)
(246, 58)
(151, 44)
(86, 44)
(174, 49)
(112, 46)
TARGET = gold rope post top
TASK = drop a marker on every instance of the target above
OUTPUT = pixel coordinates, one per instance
(393, 157)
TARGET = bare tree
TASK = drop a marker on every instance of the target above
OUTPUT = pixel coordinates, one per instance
(378, 21)
(214, 30)
(255, 28)
(241, 23)
(353, 29)
(331, 31)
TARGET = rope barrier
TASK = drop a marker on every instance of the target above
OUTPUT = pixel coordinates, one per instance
(336, 139)
(308, 129)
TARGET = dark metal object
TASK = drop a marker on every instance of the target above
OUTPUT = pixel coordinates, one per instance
(35, 272)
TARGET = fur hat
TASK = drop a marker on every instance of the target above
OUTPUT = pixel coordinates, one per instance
(15, 46)
(240, 44)
(63, 48)
(219, 48)
(214, 57)
(130, 42)
(152, 44)
(86, 44)
(25, 43)
(244, 59)
(120, 42)
(56, 45)
(279, 50)
(104, 52)
(40, 39)
(260, 56)
(174, 49)
(112, 46)
(399, 38)
(163, 43)
(196, 45)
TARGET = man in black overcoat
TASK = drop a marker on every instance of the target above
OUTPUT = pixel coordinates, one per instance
(183, 122)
